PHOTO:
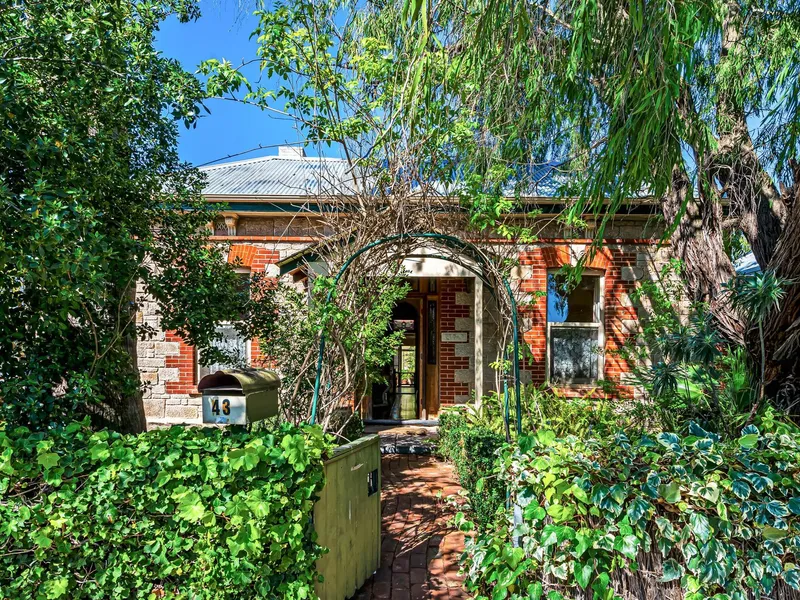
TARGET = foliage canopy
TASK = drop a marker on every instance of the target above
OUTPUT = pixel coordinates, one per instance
(94, 199)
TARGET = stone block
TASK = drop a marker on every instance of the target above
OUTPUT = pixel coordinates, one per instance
(462, 399)
(168, 348)
(630, 326)
(464, 376)
(181, 412)
(170, 374)
(631, 273)
(464, 324)
(522, 272)
(151, 363)
(154, 408)
(464, 349)
(194, 401)
(465, 298)
(149, 377)
(159, 390)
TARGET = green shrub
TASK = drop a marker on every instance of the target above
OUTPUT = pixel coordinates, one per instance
(473, 453)
(452, 422)
(719, 519)
(177, 513)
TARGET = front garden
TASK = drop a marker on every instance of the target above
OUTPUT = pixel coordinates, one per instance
(691, 491)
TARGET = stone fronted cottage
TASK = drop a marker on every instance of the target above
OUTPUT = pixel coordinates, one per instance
(270, 226)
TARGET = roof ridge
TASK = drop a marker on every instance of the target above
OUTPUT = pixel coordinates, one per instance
(235, 163)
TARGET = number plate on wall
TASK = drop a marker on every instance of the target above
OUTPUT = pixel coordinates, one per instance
(224, 410)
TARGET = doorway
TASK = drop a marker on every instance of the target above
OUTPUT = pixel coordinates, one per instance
(409, 389)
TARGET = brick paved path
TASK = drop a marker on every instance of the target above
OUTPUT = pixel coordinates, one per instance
(419, 552)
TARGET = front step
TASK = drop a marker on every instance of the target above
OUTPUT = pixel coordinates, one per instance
(398, 423)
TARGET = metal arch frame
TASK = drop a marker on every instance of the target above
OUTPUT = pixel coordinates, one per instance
(456, 243)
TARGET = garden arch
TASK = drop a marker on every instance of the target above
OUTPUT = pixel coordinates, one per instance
(481, 269)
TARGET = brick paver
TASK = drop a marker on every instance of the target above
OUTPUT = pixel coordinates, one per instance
(419, 550)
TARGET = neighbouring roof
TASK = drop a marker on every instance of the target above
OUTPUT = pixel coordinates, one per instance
(747, 264)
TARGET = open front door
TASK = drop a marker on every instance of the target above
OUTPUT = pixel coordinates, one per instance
(411, 386)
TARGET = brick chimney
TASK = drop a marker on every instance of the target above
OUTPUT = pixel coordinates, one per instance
(291, 151)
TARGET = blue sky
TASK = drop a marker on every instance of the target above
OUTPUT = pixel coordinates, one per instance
(223, 32)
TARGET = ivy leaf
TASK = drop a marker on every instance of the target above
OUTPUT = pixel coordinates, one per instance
(191, 508)
(559, 512)
(669, 440)
(772, 533)
(627, 545)
(794, 505)
(777, 509)
(741, 489)
(48, 460)
(534, 512)
(792, 578)
(756, 568)
(42, 540)
(100, 451)
(582, 544)
(295, 451)
(700, 526)
(637, 509)
(672, 570)
(535, 591)
(712, 571)
(55, 588)
(670, 492)
(583, 573)
(749, 441)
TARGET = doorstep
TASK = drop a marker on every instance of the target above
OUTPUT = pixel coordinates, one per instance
(404, 439)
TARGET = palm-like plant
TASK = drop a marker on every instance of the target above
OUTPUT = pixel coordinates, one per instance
(756, 295)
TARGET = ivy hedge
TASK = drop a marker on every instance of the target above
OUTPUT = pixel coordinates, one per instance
(717, 519)
(473, 450)
(174, 513)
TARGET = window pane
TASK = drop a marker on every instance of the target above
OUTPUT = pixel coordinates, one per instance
(577, 306)
(574, 354)
(233, 344)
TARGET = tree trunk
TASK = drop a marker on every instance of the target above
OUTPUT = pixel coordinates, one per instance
(698, 243)
(123, 409)
(782, 329)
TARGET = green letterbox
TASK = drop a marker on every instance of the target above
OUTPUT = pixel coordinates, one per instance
(239, 396)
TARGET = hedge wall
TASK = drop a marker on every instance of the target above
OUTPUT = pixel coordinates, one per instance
(473, 450)
(176, 513)
(657, 517)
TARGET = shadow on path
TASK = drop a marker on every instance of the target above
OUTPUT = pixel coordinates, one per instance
(419, 550)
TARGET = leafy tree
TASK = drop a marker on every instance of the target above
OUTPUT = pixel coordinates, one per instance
(693, 106)
(90, 190)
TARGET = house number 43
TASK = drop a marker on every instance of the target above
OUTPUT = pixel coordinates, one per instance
(226, 407)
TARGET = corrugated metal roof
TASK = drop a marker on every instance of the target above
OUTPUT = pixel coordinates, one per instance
(747, 264)
(315, 176)
(278, 176)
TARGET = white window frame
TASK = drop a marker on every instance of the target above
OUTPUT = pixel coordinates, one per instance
(599, 325)
(248, 343)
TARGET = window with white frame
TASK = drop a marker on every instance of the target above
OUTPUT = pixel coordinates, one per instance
(232, 343)
(575, 335)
